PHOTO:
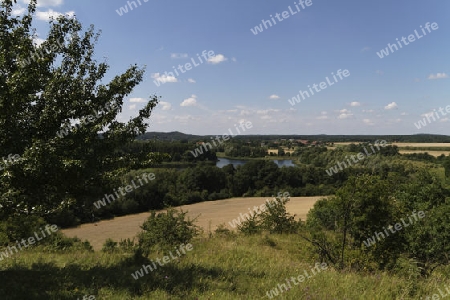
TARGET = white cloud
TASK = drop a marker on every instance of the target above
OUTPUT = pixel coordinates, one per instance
(444, 120)
(164, 78)
(266, 111)
(345, 114)
(184, 119)
(18, 10)
(428, 114)
(165, 105)
(438, 76)
(368, 110)
(323, 116)
(245, 112)
(404, 114)
(355, 104)
(234, 59)
(131, 107)
(138, 100)
(38, 41)
(379, 72)
(390, 106)
(42, 3)
(50, 13)
(274, 96)
(217, 59)
(368, 122)
(178, 55)
(191, 80)
(192, 101)
(365, 49)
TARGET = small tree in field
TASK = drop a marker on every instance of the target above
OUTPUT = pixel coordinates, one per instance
(166, 230)
(44, 90)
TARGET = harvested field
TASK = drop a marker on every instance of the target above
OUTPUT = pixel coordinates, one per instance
(212, 213)
(431, 152)
(422, 145)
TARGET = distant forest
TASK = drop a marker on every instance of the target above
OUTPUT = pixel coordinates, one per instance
(416, 138)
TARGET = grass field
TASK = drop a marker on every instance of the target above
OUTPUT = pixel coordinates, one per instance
(210, 214)
(218, 268)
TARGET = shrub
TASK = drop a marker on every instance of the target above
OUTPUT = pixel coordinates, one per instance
(59, 242)
(166, 230)
(126, 245)
(17, 227)
(109, 246)
(222, 230)
(275, 219)
(250, 226)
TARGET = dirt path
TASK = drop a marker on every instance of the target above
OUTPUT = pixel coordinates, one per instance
(212, 213)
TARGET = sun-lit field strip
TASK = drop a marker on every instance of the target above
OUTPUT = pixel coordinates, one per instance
(431, 152)
(212, 213)
(421, 145)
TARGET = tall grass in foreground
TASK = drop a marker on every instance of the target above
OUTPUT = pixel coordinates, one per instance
(223, 266)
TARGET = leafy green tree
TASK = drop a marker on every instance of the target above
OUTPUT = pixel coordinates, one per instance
(276, 219)
(42, 94)
(447, 166)
(361, 207)
(166, 230)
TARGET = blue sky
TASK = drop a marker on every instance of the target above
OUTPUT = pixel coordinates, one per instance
(252, 77)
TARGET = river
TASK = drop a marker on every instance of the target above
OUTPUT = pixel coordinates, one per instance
(238, 162)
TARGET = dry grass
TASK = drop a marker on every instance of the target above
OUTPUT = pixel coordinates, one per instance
(431, 152)
(212, 213)
(421, 145)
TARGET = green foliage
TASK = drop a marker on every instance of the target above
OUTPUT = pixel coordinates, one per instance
(251, 225)
(127, 245)
(166, 230)
(366, 204)
(268, 241)
(61, 167)
(17, 227)
(223, 231)
(275, 219)
(58, 242)
(109, 246)
(447, 166)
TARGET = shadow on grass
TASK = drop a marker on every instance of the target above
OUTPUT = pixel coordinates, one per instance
(48, 281)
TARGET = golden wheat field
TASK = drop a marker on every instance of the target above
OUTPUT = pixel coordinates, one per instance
(210, 215)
